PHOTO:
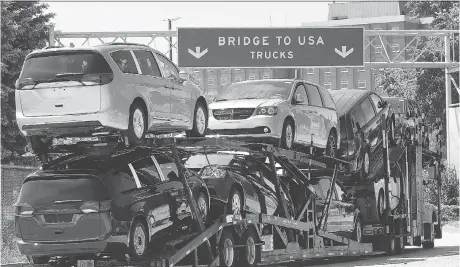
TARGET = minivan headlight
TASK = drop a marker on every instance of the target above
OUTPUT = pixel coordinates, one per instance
(270, 111)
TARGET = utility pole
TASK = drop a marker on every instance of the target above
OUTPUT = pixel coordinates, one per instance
(170, 38)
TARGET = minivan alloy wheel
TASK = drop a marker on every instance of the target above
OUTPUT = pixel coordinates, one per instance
(236, 204)
(200, 120)
(366, 163)
(289, 135)
(139, 240)
(138, 123)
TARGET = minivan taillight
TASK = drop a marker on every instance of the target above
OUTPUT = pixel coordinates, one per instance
(23, 209)
(95, 206)
(101, 79)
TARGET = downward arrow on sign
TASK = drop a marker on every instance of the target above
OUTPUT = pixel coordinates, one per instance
(344, 53)
(197, 53)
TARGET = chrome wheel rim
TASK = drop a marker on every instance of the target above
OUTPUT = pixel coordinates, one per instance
(200, 120)
(202, 206)
(289, 136)
(381, 205)
(139, 240)
(332, 146)
(138, 123)
(366, 163)
(358, 232)
(250, 250)
(236, 204)
(228, 252)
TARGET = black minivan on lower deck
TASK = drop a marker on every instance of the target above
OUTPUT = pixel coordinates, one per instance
(359, 114)
(84, 206)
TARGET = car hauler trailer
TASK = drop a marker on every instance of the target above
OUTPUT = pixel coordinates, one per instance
(249, 239)
(413, 222)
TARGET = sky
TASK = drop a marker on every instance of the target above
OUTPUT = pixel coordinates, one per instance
(149, 16)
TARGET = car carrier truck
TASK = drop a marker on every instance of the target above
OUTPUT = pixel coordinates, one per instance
(251, 239)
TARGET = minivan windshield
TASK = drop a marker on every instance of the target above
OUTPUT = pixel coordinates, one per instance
(62, 66)
(256, 90)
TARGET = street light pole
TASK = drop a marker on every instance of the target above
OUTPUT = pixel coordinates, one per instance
(170, 38)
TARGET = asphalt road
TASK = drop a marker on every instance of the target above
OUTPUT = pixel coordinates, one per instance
(444, 254)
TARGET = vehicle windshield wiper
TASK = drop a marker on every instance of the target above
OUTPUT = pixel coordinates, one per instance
(69, 74)
(248, 98)
(222, 99)
(67, 201)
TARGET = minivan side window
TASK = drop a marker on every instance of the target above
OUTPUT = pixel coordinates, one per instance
(125, 61)
(327, 99)
(368, 110)
(147, 63)
(146, 171)
(168, 168)
(169, 71)
(300, 89)
(314, 96)
(376, 99)
(357, 118)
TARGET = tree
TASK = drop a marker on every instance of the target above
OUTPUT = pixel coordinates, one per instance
(24, 29)
(429, 84)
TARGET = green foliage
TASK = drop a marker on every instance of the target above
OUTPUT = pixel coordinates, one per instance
(449, 188)
(24, 29)
(426, 86)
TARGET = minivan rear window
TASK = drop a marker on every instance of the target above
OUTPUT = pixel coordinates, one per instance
(45, 191)
(51, 66)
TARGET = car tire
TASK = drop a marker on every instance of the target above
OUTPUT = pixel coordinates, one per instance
(428, 245)
(202, 203)
(390, 246)
(138, 241)
(39, 259)
(381, 205)
(364, 172)
(137, 124)
(250, 253)
(200, 121)
(287, 134)
(227, 252)
(235, 202)
(358, 231)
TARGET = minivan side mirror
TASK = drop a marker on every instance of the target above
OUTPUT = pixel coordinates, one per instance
(16, 84)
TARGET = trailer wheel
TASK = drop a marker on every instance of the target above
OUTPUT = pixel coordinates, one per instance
(381, 204)
(226, 249)
(358, 232)
(400, 243)
(428, 245)
(250, 255)
(390, 246)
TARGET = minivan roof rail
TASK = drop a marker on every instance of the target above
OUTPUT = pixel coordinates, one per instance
(119, 43)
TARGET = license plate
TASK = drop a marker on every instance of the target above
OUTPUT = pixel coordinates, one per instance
(85, 263)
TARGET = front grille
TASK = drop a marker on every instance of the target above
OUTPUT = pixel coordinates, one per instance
(233, 113)
(58, 218)
(256, 130)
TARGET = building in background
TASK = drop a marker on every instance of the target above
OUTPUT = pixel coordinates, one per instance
(371, 16)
